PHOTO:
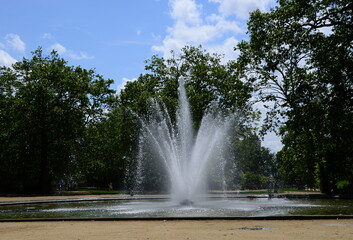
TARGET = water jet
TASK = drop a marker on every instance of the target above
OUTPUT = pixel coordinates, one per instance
(185, 153)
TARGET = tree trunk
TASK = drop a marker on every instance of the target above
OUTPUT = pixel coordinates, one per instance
(325, 186)
(44, 176)
(44, 184)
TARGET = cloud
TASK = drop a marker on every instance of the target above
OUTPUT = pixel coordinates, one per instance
(14, 42)
(242, 8)
(169, 43)
(46, 36)
(80, 56)
(156, 37)
(6, 59)
(59, 48)
(186, 11)
(123, 83)
(66, 52)
(192, 27)
(226, 48)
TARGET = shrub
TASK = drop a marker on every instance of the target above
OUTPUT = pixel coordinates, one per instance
(344, 187)
(250, 180)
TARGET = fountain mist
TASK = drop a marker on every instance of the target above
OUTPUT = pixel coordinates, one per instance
(186, 155)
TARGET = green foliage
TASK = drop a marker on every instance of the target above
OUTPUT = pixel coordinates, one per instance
(254, 164)
(107, 148)
(207, 81)
(44, 108)
(307, 76)
(252, 157)
(344, 187)
(251, 180)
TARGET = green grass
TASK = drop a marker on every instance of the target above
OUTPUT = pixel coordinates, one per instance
(98, 191)
(254, 192)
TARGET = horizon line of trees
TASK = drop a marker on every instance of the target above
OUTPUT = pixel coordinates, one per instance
(59, 122)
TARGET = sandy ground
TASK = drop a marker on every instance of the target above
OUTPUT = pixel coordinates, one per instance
(177, 229)
(183, 230)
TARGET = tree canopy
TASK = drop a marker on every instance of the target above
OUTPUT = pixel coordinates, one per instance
(45, 106)
(300, 58)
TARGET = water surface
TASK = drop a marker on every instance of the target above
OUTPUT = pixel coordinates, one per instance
(258, 207)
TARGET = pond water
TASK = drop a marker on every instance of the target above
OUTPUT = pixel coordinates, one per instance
(164, 208)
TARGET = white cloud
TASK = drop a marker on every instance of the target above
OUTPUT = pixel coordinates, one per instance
(123, 83)
(169, 43)
(80, 56)
(186, 11)
(226, 48)
(192, 28)
(6, 59)
(66, 52)
(14, 42)
(46, 36)
(203, 33)
(242, 8)
(156, 37)
(59, 48)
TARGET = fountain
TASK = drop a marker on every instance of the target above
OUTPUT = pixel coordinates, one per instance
(185, 154)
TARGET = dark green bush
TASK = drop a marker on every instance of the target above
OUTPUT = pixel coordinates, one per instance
(250, 180)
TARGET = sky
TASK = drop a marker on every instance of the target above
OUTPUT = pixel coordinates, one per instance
(115, 37)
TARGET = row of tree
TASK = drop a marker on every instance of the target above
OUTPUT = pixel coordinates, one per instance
(209, 81)
(59, 122)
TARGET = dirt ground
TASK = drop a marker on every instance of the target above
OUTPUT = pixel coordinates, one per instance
(183, 230)
(174, 229)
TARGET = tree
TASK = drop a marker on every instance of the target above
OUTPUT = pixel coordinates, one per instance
(45, 106)
(208, 81)
(107, 148)
(255, 164)
(300, 56)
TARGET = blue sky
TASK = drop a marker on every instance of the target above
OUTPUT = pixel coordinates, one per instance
(115, 37)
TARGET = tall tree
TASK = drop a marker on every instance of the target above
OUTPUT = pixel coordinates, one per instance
(255, 164)
(208, 82)
(300, 56)
(107, 148)
(45, 106)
